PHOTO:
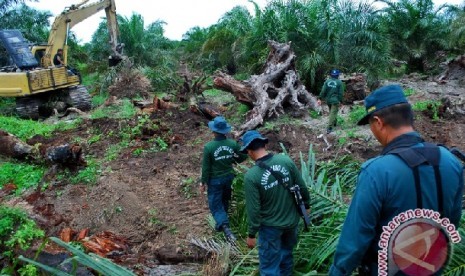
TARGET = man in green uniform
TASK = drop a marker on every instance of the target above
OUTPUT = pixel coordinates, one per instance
(331, 93)
(271, 208)
(218, 174)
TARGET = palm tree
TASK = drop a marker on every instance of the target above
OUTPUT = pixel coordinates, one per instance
(458, 30)
(7, 4)
(32, 23)
(416, 30)
(225, 38)
(362, 47)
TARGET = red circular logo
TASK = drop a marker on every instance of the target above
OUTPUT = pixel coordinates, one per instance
(420, 248)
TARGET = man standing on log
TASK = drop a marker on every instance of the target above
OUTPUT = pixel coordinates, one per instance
(405, 199)
(271, 207)
(331, 93)
(218, 174)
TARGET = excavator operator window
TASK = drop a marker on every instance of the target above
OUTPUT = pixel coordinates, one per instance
(39, 55)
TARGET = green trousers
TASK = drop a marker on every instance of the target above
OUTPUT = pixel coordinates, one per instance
(333, 110)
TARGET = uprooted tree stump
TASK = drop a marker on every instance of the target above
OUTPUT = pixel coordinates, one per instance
(276, 91)
(454, 70)
(194, 84)
(355, 88)
(130, 82)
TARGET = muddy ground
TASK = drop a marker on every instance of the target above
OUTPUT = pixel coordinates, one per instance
(152, 199)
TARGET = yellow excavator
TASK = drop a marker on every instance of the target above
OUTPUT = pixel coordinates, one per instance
(30, 75)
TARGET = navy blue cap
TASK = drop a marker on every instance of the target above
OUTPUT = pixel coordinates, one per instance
(334, 73)
(382, 98)
(219, 125)
(249, 136)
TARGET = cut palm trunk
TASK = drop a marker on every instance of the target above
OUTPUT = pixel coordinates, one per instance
(65, 154)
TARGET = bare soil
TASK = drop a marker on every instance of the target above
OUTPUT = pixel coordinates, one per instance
(152, 199)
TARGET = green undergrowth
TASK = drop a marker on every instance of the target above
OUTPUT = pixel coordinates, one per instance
(17, 232)
(431, 105)
(123, 110)
(6, 104)
(23, 175)
(87, 175)
(25, 129)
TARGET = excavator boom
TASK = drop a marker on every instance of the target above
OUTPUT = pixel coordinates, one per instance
(37, 83)
(58, 38)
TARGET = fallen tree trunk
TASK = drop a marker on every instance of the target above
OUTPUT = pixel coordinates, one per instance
(66, 154)
(11, 146)
(278, 90)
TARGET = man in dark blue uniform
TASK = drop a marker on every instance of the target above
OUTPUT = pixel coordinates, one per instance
(408, 175)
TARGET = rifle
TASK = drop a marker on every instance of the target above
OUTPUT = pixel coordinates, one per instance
(295, 191)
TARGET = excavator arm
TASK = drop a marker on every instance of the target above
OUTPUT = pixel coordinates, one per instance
(58, 38)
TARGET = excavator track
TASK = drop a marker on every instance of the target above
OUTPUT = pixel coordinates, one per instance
(28, 107)
(80, 98)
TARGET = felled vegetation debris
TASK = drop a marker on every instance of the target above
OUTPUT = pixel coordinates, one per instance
(154, 105)
(103, 244)
(106, 243)
(206, 109)
(7, 189)
(130, 83)
(454, 70)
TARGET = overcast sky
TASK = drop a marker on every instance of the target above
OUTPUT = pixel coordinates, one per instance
(180, 15)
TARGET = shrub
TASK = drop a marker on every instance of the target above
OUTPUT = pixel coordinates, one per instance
(17, 231)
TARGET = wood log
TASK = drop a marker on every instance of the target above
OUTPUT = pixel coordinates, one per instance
(65, 154)
(11, 146)
(66, 234)
(242, 91)
(276, 91)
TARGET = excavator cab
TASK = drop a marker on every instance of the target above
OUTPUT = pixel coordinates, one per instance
(17, 48)
(29, 75)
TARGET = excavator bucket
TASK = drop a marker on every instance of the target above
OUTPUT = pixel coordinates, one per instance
(113, 61)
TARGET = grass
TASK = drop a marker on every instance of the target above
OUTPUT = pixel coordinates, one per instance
(409, 92)
(88, 175)
(284, 119)
(428, 105)
(98, 100)
(17, 231)
(25, 129)
(24, 176)
(356, 113)
(7, 106)
(113, 152)
(123, 110)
